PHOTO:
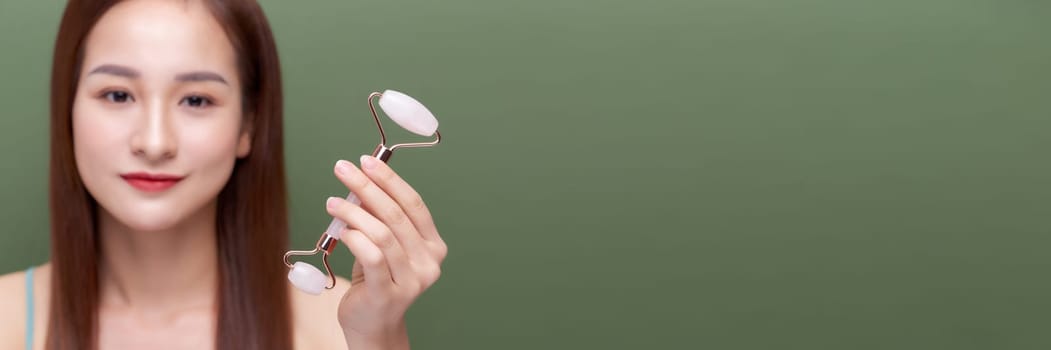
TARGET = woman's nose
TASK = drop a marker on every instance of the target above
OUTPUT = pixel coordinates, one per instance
(153, 138)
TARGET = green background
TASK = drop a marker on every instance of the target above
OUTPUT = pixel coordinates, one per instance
(709, 174)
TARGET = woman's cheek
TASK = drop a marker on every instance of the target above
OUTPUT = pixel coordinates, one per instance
(212, 146)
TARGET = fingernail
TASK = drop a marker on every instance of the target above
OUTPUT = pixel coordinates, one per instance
(343, 167)
(331, 202)
(368, 162)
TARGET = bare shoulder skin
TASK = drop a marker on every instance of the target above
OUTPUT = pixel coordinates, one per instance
(13, 307)
(314, 317)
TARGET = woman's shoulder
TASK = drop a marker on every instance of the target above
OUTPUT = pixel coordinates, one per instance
(14, 304)
(13, 310)
(314, 319)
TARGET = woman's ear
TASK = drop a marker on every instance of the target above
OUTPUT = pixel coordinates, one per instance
(244, 141)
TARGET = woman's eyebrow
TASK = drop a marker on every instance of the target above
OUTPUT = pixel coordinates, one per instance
(130, 73)
(112, 69)
(200, 76)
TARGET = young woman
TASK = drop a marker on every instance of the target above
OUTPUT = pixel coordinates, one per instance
(168, 204)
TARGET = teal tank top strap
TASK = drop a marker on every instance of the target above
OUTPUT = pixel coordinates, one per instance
(29, 309)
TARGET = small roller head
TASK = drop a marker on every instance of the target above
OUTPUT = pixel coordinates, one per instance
(307, 278)
(408, 113)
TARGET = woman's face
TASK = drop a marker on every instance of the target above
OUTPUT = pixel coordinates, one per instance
(157, 117)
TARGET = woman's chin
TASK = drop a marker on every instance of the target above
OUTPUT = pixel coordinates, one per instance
(147, 222)
(151, 225)
(147, 217)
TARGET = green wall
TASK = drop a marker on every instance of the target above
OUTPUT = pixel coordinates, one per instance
(709, 174)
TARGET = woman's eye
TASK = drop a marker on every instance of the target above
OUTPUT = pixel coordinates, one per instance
(116, 96)
(196, 101)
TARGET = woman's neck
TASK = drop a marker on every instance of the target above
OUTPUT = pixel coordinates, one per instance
(161, 271)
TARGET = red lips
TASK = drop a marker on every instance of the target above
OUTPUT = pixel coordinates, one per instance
(147, 182)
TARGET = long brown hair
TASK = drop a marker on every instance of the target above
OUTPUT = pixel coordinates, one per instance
(251, 224)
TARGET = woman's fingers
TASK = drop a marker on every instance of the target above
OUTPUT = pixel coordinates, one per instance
(393, 217)
(407, 198)
(385, 208)
(391, 263)
(370, 258)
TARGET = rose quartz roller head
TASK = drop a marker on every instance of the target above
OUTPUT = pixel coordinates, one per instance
(407, 113)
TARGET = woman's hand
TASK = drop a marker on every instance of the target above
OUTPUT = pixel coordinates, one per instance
(398, 253)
